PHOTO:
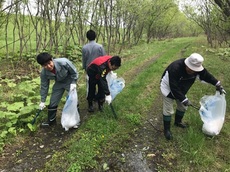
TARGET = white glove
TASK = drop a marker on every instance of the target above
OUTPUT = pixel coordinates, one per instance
(72, 87)
(108, 99)
(42, 105)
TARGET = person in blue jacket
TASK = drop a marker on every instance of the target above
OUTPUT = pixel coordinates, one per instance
(176, 81)
(65, 75)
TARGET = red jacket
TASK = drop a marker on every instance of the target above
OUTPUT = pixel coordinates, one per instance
(98, 69)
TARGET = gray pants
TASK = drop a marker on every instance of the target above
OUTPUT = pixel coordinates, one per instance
(168, 109)
(57, 93)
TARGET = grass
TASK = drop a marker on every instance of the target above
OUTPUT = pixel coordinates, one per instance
(194, 151)
(101, 136)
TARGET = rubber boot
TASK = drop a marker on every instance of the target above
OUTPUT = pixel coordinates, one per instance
(167, 132)
(90, 104)
(100, 104)
(178, 119)
(51, 117)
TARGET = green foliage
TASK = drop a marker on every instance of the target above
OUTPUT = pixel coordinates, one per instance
(102, 133)
(102, 136)
(74, 53)
(135, 119)
(18, 106)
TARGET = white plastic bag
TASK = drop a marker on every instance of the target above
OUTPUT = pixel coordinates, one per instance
(212, 113)
(115, 84)
(70, 115)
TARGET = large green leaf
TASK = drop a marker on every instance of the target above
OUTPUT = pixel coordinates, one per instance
(27, 110)
(7, 114)
(3, 134)
(15, 106)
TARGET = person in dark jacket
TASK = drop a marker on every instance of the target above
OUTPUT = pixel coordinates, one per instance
(65, 75)
(97, 71)
(176, 81)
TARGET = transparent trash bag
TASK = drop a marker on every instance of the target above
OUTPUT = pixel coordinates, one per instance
(70, 115)
(115, 84)
(212, 113)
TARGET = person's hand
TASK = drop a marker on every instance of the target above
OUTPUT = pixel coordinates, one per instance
(186, 102)
(42, 105)
(72, 87)
(220, 88)
(108, 99)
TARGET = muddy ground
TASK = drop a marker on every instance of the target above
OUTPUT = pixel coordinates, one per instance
(143, 155)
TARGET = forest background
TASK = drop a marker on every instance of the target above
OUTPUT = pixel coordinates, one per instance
(33, 26)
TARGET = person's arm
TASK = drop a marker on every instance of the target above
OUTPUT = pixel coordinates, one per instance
(105, 86)
(84, 59)
(44, 86)
(204, 75)
(101, 75)
(209, 78)
(102, 51)
(73, 71)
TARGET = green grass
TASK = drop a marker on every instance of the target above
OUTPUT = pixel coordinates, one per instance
(102, 136)
(101, 132)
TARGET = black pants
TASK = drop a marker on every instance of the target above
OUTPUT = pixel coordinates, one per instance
(93, 83)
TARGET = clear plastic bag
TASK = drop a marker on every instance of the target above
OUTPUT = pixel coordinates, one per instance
(70, 115)
(212, 113)
(115, 84)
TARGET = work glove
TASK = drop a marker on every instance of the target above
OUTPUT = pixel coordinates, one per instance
(220, 88)
(186, 102)
(42, 105)
(108, 99)
(72, 87)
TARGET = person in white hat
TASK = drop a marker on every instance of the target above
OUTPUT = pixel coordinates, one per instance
(176, 81)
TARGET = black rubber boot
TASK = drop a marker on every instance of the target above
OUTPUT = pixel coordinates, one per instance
(100, 104)
(51, 117)
(167, 132)
(90, 104)
(178, 119)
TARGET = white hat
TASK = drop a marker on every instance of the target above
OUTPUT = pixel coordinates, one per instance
(194, 62)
